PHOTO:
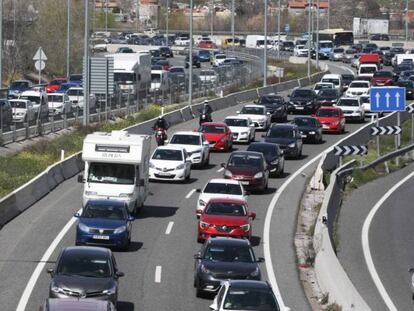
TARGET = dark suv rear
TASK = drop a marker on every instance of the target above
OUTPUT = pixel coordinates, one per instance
(275, 105)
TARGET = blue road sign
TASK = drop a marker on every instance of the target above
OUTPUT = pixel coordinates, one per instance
(387, 99)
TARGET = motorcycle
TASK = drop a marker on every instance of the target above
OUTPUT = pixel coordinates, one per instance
(160, 136)
(205, 116)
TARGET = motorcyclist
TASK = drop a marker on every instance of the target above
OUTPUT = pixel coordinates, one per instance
(161, 123)
(205, 113)
(207, 108)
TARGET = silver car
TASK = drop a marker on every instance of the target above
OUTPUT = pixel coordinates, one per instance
(348, 55)
(337, 54)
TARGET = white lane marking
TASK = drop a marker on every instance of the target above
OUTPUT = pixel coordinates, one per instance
(24, 299)
(266, 230)
(365, 244)
(220, 169)
(158, 271)
(190, 193)
(169, 227)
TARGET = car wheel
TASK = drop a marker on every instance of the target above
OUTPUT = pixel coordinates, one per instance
(207, 161)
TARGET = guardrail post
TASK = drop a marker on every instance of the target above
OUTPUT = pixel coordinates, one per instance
(13, 129)
(26, 127)
(1, 137)
(118, 108)
(76, 114)
(128, 101)
(98, 111)
(65, 121)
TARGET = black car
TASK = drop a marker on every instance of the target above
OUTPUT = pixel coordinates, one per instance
(409, 88)
(328, 97)
(196, 61)
(379, 37)
(288, 137)
(310, 128)
(222, 259)
(275, 105)
(403, 67)
(347, 78)
(273, 156)
(404, 75)
(303, 101)
(6, 113)
(85, 272)
(166, 52)
(155, 53)
(124, 50)
(387, 60)
(156, 59)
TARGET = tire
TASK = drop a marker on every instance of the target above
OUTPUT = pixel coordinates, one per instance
(207, 163)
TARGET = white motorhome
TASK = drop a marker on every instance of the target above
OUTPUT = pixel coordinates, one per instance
(159, 81)
(132, 71)
(116, 167)
(256, 41)
(404, 57)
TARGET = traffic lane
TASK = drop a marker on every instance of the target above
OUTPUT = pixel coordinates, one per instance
(354, 211)
(391, 243)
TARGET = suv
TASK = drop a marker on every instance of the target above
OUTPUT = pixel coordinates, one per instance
(303, 100)
(17, 87)
(288, 137)
(196, 61)
(275, 105)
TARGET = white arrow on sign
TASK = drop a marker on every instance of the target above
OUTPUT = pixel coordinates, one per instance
(397, 99)
(387, 99)
(377, 97)
(40, 54)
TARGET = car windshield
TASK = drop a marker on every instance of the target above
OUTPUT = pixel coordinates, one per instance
(359, 85)
(155, 77)
(245, 160)
(177, 70)
(185, 140)
(74, 92)
(229, 253)
(213, 129)
(350, 102)
(364, 99)
(56, 82)
(75, 77)
(327, 113)
(236, 122)
(207, 73)
(224, 208)
(18, 104)
(325, 45)
(55, 98)
(19, 85)
(370, 69)
(105, 211)
(323, 86)
(168, 155)
(350, 52)
(302, 93)
(335, 81)
(252, 110)
(35, 99)
(338, 50)
(86, 265)
(305, 122)
(111, 173)
(222, 188)
(250, 299)
(383, 74)
(328, 93)
(268, 150)
(280, 132)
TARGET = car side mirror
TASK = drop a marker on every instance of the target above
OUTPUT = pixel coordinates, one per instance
(206, 143)
(197, 256)
(263, 135)
(198, 190)
(77, 215)
(223, 165)
(213, 307)
(268, 113)
(80, 178)
(130, 218)
(238, 111)
(252, 215)
(288, 95)
(119, 274)
(50, 271)
(282, 152)
(260, 259)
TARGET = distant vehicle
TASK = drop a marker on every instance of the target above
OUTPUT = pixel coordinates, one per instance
(338, 36)
(228, 42)
(382, 78)
(207, 44)
(165, 64)
(288, 137)
(204, 55)
(39, 101)
(17, 87)
(6, 111)
(325, 49)
(182, 41)
(64, 87)
(196, 61)
(358, 88)
(55, 84)
(352, 108)
(348, 55)
(322, 85)
(218, 134)
(336, 79)
(409, 88)
(166, 52)
(68, 304)
(337, 54)
(332, 119)
(76, 98)
(76, 78)
(367, 70)
(275, 105)
(59, 104)
(23, 110)
(258, 115)
(105, 223)
(273, 156)
(124, 50)
(197, 147)
(159, 81)
(300, 50)
(379, 37)
(208, 76)
(346, 80)
(242, 128)
(218, 59)
(84, 271)
(327, 97)
(303, 100)
(309, 128)
(99, 45)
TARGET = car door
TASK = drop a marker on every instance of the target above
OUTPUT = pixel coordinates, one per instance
(205, 146)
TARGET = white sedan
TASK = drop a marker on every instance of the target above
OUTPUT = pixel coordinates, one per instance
(170, 163)
(220, 189)
(352, 108)
(258, 115)
(358, 88)
(197, 147)
(23, 110)
(242, 128)
(58, 103)
(76, 98)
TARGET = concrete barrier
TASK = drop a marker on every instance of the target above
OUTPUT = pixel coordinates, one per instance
(246, 96)
(304, 82)
(186, 114)
(265, 90)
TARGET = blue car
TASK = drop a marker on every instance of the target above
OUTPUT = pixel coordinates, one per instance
(66, 86)
(104, 223)
(204, 55)
(17, 87)
(76, 78)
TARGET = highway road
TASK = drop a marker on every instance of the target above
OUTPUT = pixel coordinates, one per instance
(29, 236)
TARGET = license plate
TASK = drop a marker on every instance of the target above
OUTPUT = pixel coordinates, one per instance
(164, 174)
(325, 126)
(101, 237)
(304, 136)
(299, 107)
(244, 182)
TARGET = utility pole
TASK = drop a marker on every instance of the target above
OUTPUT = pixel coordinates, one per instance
(233, 12)
(329, 14)
(86, 69)
(166, 22)
(278, 31)
(406, 20)
(265, 46)
(106, 15)
(190, 57)
(68, 39)
(317, 34)
(1, 48)
(309, 36)
(137, 15)
(212, 11)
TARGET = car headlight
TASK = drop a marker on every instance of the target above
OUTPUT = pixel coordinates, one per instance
(256, 272)
(87, 193)
(204, 225)
(292, 145)
(245, 227)
(202, 203)
(258, 175)
(83, 227)
(244, 133)
(180, 167)
(205, 270)
(196, 151)
(126, 195)
(335, 123)
(120, 229)
(227, 173)
(275, 161)
(111, 291)
(312, 133)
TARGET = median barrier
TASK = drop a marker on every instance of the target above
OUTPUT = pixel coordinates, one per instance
(245, 96)
(174, 117)
(265, 90)
(233, 101)
(70, 166)
(186, 113)
(304, 82)
(55, 175)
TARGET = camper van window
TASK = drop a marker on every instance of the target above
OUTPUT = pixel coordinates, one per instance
(35, 99)
(155, 77)
(124, 76)
(111, 173)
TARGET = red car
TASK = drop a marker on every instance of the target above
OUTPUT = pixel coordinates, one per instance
(207, 44)
(164, 64)
(331, 118)
(54, 85)
(225, 217)
(382, 78)
(218, 135)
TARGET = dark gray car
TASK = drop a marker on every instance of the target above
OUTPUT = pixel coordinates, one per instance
(223, 259)
(85, 272)
(273, 156)
(288, 137)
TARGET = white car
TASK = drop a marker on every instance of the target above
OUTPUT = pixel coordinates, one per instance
(197, 147)
(59, 104)
(170, 163)
(352, 108)
(23, 110)
(323, 85)
(300, 50)
(358, 88)
(220, 189)
(182, 41)
(242, 128)
(218, 59)
(76, 98)
(208, 76)
(258, 115)
(367, 70)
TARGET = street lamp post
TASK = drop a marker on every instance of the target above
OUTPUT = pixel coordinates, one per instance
(309, 36)
(137, 15)
(265, 46)
(212, 11)
(190, 58)
(68, 39)
(106, 15)
(1, 47)
(278, 31)
(232, 23)
(317, 34)
(329, 14)
(86, 69)
(406, 20)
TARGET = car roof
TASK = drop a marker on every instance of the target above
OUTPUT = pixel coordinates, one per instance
(107, 202)
(91, 250)
(329, 108)
(223, 181)
(228, 241)
(358, 81)
(237, 117)
(253, 106)
(261, 143)
(247, 153)
(170, 147)
(188, 133)
(248, 284)
(225, 200)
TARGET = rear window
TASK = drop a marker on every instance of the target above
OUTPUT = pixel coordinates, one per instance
(335, 81)
(223, 188)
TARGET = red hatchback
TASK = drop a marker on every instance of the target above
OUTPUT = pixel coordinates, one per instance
(218, 134)
(225, 217)
(331, 118)
(207, 44)
(54, 85)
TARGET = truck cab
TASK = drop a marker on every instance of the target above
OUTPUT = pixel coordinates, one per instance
(116, 167)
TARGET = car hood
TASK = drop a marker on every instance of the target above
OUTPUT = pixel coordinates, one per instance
(349, 108)
(255, 117)
(55, 104)
(165, 164)
(307, 128)
(358, 89)
(328, 119)
(279, 140)
(102, 223)
(238, 129)
(188, 148)
(221, 220)
(327, 98)
(214, 136)
(300, 99)
(230, 268)
(17, 110)
(82, 284)
(244, 171)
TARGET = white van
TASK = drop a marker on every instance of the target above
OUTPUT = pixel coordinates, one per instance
(159, 81)
(116, 167)
(336, 79)
(367, 70)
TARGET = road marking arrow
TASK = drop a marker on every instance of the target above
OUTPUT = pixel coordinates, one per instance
(397, 99)
(377, 97)
(387, 99)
